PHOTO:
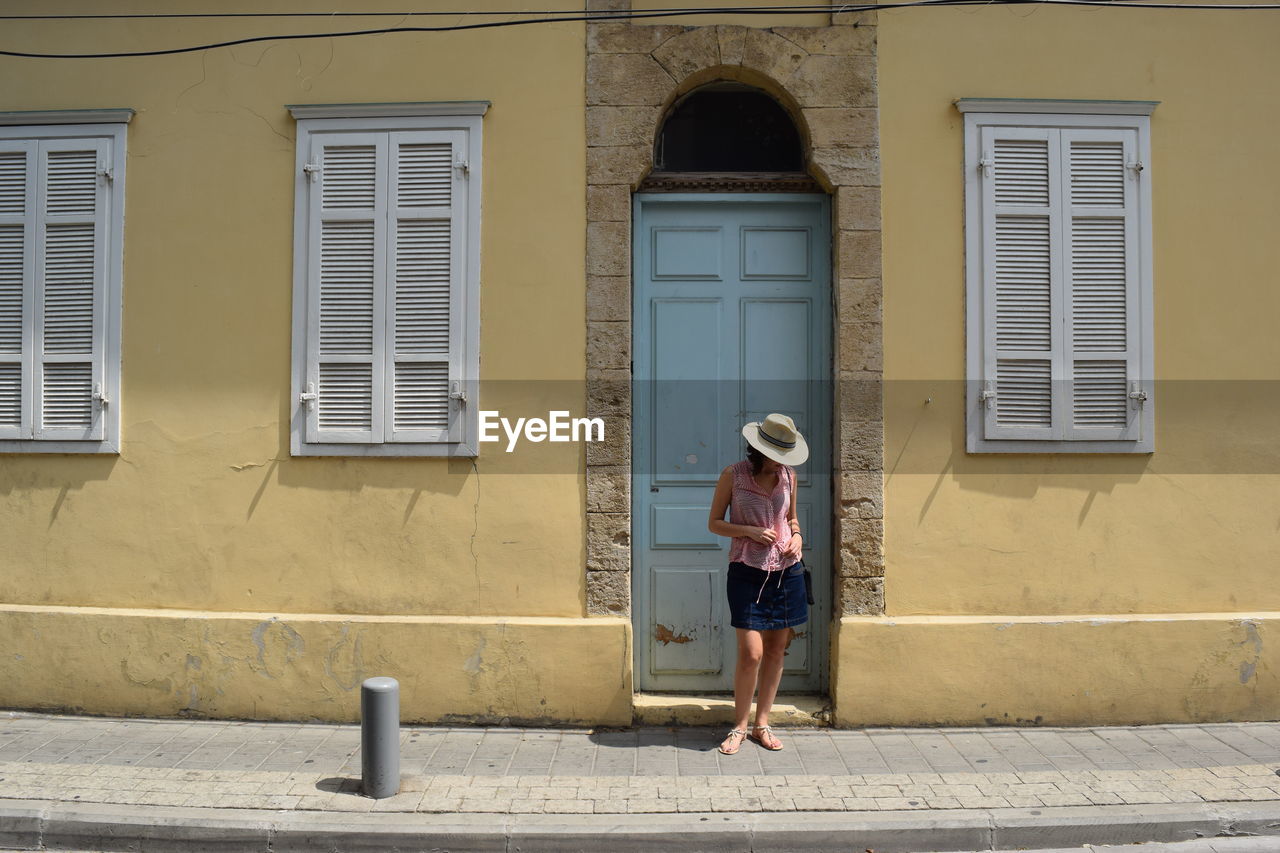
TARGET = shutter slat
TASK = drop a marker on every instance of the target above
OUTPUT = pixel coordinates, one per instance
(12, 282)
(1024, 393)
(422, 395)
(1023, 294)
(347, 288)
(68, 302)
(349, 176)
(346, 396)
(71, 183)
(67, 396)
(1097, 174)
(10, 395)
(1022, 171)
(1100, 396)
(1098, 285)
(13, 183)
(422, 288)
(424, 176)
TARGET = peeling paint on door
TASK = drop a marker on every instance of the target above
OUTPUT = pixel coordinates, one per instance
(665, 635)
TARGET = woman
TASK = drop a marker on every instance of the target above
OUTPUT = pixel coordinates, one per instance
(766, 585)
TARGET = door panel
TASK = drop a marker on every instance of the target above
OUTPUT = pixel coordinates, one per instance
(681, 526)
(731, 321)
(687, 620)
(687, 253)
(687, 409)
(776, 253)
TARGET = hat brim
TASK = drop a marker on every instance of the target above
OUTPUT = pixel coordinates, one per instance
(787, 456)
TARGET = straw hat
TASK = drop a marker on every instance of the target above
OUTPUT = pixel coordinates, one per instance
(777, 438)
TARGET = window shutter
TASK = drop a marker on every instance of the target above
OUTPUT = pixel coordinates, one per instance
(1022, 389)
(346, 269)
(386, 270)
(17, 282)
(425, 286)
(70, 286)
(1101, 273)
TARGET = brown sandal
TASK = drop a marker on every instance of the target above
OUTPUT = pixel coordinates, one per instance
(741, 734)
(760, 740)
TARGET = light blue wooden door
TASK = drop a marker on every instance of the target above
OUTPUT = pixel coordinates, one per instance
(732, 297)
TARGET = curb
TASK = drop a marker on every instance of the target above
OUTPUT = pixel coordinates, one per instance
(40, 824)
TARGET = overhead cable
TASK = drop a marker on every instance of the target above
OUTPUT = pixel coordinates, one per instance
(598, 17)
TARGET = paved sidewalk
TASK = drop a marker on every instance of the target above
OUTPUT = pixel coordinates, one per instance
(1216, 845)
(50, 763)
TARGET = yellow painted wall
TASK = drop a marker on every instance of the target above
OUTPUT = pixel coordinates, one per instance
(204, 508)
(1193, 527)
(304, 666)
(1073, 671)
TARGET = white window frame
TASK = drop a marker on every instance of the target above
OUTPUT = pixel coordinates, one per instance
(390, 117)
(1062, 114)
(100, 124)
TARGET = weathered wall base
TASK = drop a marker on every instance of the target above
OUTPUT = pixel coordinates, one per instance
(1056, 670)
(310, 666)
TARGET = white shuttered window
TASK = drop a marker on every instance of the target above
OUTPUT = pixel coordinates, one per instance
(1058, 282)
(387, 290)
(61, 217)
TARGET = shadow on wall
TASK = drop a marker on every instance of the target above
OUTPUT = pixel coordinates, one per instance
(1217, 427)
(925, 434)
(1201, 427)
(68, 473)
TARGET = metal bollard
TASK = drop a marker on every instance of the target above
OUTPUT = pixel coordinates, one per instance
(380, 737)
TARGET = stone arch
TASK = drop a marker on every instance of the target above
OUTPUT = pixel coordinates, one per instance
(825, 78)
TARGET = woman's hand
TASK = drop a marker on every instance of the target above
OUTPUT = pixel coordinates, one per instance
(763, 535)
(793, 546)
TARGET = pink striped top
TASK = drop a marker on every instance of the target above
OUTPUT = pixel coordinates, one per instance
(751, 506)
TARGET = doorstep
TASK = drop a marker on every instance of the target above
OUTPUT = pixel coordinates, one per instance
(677, 709)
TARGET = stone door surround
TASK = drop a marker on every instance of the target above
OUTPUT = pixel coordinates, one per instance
(825, 77)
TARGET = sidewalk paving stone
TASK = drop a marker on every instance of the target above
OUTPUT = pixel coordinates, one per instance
(293, 767)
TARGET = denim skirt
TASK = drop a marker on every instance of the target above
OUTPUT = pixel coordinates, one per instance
(782, 603)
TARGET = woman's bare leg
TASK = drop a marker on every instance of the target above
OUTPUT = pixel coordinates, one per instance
(774, 648)
(750, 651)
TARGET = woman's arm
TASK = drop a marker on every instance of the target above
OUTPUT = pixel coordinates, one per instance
(796, 541)
(720, 502)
